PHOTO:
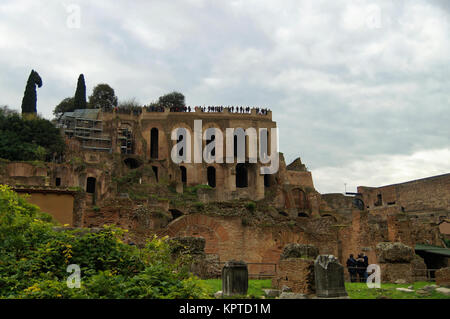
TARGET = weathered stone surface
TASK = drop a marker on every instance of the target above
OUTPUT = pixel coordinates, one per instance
(422, 292)
(396, 273)
(212, 266)
(296, 274)
(429, 287)
(271, 293)
(443, 277)
(419, 268)
(329, 277)
(404, 289)
(286, 289)
(292, 295)
(294, 250)
(443, 290)
(235, 278)
(191, 250)
(394, 253)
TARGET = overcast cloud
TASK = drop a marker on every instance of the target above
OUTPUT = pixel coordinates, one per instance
(359, 89)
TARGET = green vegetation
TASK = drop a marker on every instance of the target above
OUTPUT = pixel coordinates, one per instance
(355, 290)
(30, 97)
(358, 290)
(251, 206)
(255, 287)
(69, 104)
(79, 100)
(173, 99)
(447, 242)
(34, 259)
(66, 105)
(103, 96)
(38, 140)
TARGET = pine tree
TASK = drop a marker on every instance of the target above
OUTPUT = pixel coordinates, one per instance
(80, 94)
(30, 97)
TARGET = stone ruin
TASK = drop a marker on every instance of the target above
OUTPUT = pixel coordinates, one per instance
(235, 278)
(443, 277)
(395, 260)
(296, 269)
(193, 248)
(329, 277)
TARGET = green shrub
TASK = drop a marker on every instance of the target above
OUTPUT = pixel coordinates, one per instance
(34, 259)
(251, 206)
(200, 206)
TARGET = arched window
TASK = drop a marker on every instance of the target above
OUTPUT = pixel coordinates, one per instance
(211, 172)
(241, 175)
(183, 174)
(155, 171)
(90, 185)
(154, 143)
(299, 198)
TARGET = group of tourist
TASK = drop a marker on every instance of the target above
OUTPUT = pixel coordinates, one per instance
(232, 109)
(357, 268)
(209, 109)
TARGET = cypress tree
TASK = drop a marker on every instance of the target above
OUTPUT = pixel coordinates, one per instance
(80, 94)
(30, 96)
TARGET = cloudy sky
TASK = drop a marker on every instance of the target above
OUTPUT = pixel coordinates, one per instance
(359, 89)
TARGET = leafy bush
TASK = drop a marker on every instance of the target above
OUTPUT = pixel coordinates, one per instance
(251, 206)
(34, 258)
(39, 139)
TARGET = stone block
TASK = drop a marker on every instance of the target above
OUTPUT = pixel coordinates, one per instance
(294, 250)
(235, 278)
(443, 277)
(329, 277)
(394, 253)
(296, 274)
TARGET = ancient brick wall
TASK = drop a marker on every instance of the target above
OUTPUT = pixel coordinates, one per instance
(295, 273)
(428, 194)
(443, 277)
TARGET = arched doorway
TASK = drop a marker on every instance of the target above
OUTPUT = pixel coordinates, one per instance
(183, 174)
(154, 135)
(241, 175)
(267, 180)
(155, 171)
(90, 185)
(211, 174)
(299, 199)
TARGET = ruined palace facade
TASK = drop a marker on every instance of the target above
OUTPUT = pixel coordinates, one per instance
(117, 169)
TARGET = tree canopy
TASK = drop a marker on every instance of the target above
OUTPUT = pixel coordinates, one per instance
(173, 99)
(66, 105)
(39, 139)
(103, 96)
(30, 97)
(80, 94)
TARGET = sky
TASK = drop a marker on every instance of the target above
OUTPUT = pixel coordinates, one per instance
(359, 89)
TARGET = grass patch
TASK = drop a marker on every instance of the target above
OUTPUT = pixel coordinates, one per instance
(355, 290)
(358, 290)
(255, 287)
